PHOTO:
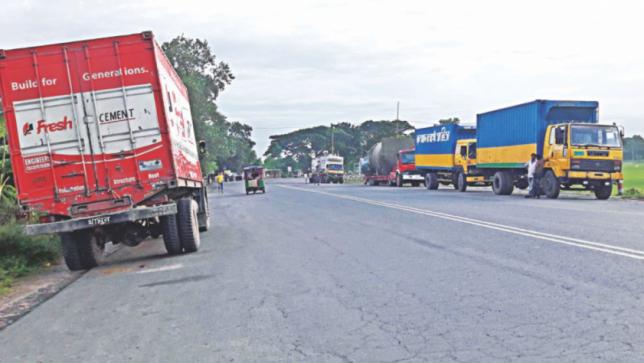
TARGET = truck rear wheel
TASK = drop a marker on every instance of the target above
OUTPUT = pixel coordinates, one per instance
(187, 209)
(90, 248)
(431, 180)
(461, 182)
(502, 183)
(171, 234)
(550, 185)
(603, 192)
(71, 254)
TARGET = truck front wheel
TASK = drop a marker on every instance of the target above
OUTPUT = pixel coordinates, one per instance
(187, 209)
(603, 192)
(550, 185)
(461, 182)
(431, 181)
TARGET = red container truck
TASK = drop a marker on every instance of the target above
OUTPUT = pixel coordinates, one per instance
(102, 145)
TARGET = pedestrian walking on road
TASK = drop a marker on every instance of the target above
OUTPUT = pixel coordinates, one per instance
(220, 183)
(532, 167)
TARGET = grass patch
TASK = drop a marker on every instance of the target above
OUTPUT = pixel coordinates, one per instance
(21, 255)
(633, 180)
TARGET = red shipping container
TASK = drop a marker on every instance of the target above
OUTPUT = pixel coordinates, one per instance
(97, 125)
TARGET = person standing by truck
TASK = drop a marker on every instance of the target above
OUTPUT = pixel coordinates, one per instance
(532, 168)
(538, 174)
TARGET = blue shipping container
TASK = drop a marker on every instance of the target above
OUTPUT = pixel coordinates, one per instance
(435, 145)
(506, 137)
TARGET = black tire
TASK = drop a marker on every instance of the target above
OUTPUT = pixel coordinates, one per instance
(603, 192)
(502, 183)
(461, 182)
(263, 190)
(455, 180)
(550, 185)
(187, 209)
(341, 181)
(70, 251)
(431, 180)
(171, 238)
(91, 253)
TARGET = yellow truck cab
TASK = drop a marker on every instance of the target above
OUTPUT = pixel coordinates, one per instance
(582, 155)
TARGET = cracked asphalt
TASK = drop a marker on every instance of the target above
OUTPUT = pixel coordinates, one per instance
(299, 276)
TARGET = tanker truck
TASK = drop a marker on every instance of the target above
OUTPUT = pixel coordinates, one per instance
(391, 162)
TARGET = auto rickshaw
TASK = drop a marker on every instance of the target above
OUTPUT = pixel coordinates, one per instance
(254, 179)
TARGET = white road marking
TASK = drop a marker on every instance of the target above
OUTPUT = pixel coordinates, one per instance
(162, 268)
(576, 242)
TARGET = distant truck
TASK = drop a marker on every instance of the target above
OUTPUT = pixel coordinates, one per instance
(391, 162)
(579, 153)
(439, 159)
(103, 146)
(327, 168)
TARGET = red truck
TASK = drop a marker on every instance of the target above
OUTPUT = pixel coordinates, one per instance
(403, 172)
(102, 145)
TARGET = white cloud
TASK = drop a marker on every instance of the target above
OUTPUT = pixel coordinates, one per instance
(303, 63)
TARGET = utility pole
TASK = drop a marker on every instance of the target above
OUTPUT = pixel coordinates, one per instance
(397, 115)
(332, 140)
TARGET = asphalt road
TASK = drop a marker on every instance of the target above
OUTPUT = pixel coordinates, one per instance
(347, 273)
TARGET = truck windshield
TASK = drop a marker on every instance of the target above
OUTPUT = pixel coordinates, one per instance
(407, 158)
(334, 166)
(607, 136)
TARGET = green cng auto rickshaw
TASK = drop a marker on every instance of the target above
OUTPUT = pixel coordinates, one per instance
(254, 179)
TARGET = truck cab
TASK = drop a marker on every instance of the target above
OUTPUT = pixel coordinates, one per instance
(584, 155)
(405, 171)
(465, 155)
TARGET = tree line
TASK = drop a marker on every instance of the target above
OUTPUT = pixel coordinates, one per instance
(296, 149)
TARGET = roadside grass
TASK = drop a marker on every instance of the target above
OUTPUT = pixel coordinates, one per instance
(21, 255)
(634, 180)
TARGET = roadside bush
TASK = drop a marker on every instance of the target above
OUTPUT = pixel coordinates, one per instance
(21, 254)
(633, 193)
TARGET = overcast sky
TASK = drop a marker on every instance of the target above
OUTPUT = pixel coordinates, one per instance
(304, 63)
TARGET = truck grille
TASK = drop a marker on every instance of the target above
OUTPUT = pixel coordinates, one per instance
(593, 165)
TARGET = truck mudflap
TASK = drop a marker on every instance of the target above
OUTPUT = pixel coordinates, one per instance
(75, 224)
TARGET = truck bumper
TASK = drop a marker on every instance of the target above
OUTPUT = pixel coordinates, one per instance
(594, 175)
(413, 177)
(101, 220)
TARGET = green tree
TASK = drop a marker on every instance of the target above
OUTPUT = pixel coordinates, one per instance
(228, 144)
(634, 148)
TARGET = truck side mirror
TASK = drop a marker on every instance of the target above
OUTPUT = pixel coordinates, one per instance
(202, 146)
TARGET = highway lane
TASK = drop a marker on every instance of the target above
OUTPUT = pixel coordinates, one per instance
(299, 275)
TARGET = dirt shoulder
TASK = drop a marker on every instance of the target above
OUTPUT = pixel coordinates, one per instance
(30, 291)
